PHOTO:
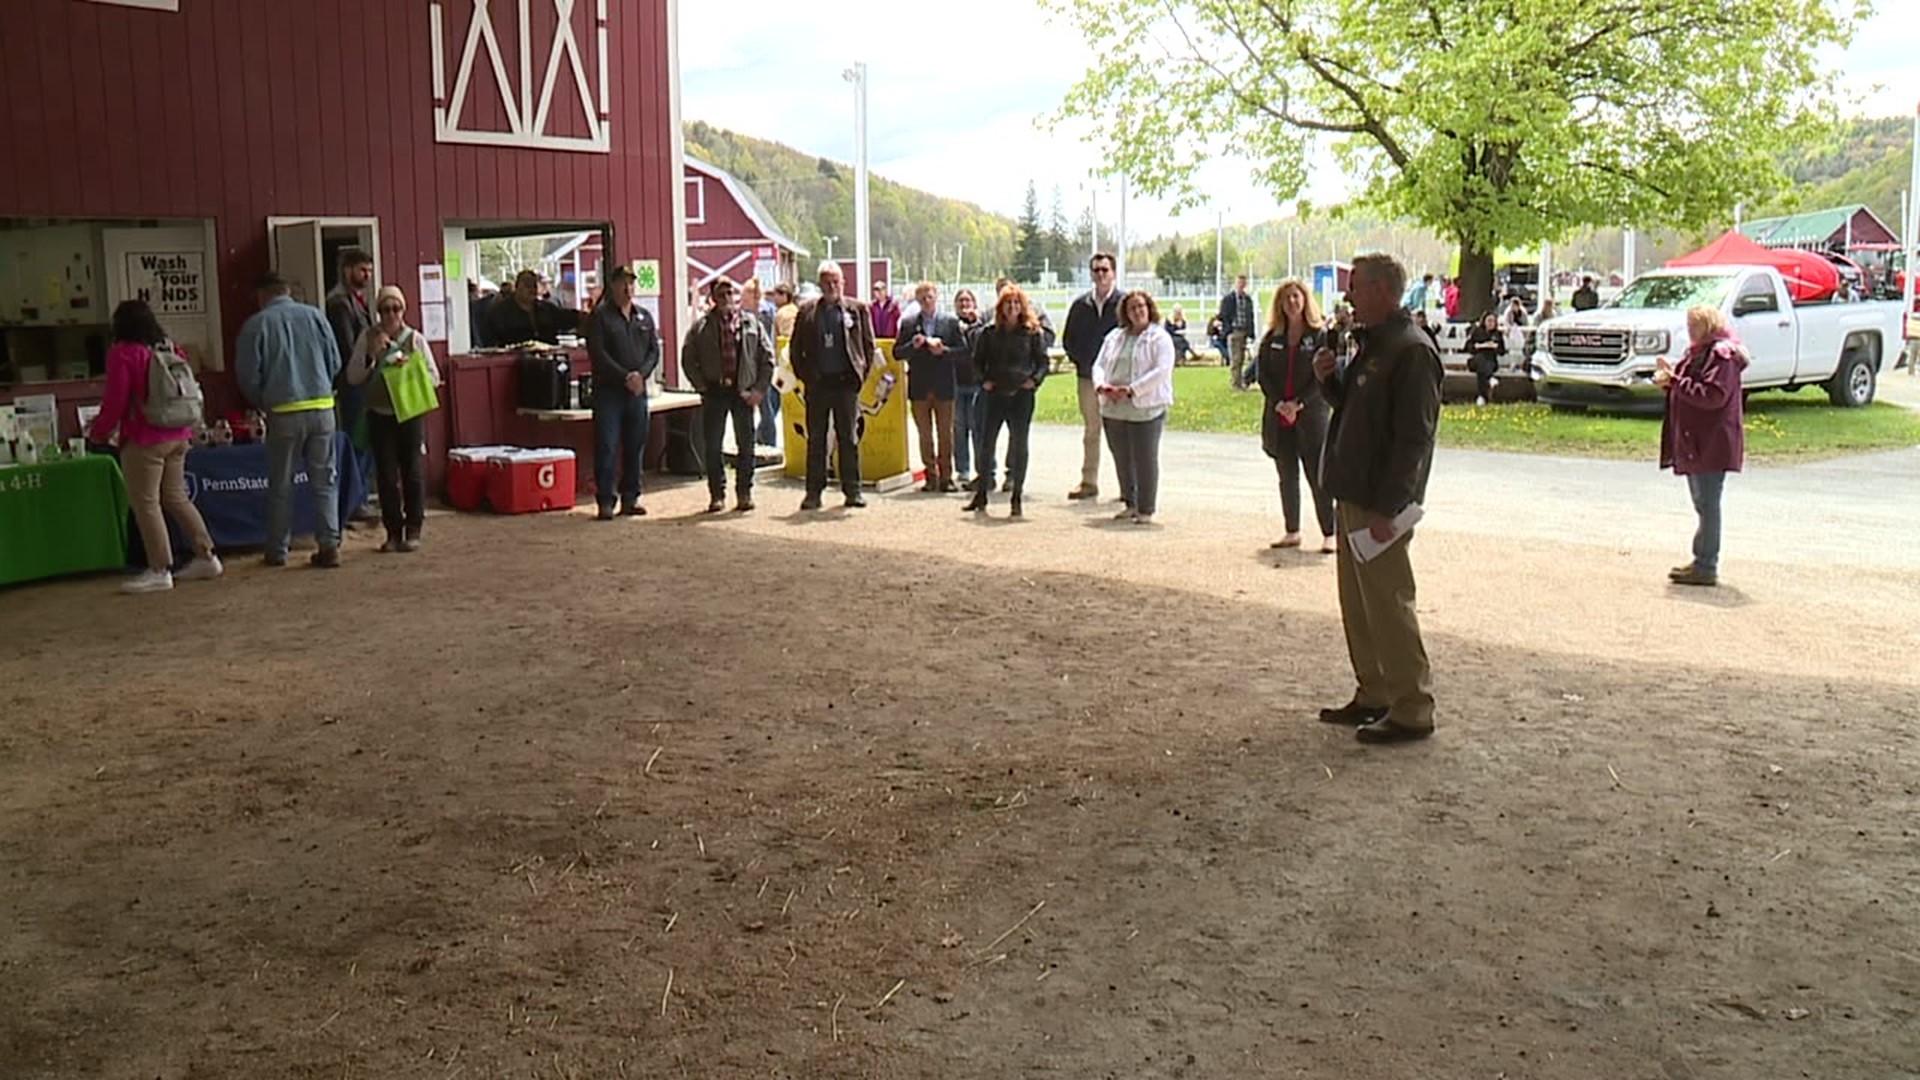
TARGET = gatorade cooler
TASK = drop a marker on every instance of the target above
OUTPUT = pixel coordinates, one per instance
(467, 475)
(529, 481)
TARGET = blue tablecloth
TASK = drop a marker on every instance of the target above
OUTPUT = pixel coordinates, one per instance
(228, 485)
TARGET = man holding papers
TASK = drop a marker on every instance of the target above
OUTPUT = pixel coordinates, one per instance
(1386, 406)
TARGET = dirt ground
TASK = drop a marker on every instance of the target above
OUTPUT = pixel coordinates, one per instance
(899, 794)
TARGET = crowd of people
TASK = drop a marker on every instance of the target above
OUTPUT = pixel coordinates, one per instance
(1352, 406)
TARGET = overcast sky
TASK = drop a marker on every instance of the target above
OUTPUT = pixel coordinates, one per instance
(952, 109)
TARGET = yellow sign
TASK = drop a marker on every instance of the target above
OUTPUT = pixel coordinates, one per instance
(882, 430)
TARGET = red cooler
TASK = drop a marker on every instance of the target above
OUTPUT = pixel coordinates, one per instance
(468, 474)
(529, 481)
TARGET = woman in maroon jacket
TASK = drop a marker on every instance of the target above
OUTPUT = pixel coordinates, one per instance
(1703, 437)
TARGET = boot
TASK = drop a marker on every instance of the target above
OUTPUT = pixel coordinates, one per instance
(979, 501)
(1014, 510)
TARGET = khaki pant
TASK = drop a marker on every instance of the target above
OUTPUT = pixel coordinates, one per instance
(934, 420)
(1090, 437)
(1237, 357)
(157, 489)
(1390, 666)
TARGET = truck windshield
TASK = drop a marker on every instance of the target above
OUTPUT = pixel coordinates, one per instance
(1674, 292)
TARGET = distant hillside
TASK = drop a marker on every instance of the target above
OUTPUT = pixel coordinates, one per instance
(1866, 161)
(812, 198)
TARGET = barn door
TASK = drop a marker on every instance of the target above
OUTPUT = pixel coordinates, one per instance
(298, 255)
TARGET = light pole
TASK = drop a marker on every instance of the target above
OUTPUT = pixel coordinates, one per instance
(1908, 245)
(831, 240)
(857, 75)
(1122, 244)
(959, 264)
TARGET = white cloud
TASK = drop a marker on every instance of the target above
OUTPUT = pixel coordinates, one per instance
(953, 102)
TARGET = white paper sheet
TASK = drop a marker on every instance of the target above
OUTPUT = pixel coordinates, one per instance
(1366, 548)
(433, 285)
(433, 321)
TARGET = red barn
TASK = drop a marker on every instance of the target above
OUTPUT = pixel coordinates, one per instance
(730, 232)
(177, 149)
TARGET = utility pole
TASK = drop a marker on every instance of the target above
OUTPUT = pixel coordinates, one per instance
(857, 75)
(1907, 245)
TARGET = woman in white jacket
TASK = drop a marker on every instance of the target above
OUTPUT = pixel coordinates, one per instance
(1133, 377)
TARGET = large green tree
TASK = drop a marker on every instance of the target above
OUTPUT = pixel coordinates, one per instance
(1498, 123)
(1030, 244)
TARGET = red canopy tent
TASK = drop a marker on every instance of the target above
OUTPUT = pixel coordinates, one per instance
(1808, 275)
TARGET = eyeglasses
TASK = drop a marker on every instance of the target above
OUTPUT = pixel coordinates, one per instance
(1103, 269)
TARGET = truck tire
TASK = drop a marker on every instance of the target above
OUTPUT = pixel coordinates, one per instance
(1852, 385)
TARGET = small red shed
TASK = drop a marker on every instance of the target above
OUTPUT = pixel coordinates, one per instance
(730, 232)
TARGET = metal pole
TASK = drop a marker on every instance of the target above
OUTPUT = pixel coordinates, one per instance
(1907, 243)
(959, 264)
(857, 75)
(1628, 255)
(1290, 270)
(1219, 246)
(1122, 275)
(831, 240)
(1093, 224)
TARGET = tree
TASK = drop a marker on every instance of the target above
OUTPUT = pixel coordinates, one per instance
(1500, 123)
(1029, 250)
(1171, 266)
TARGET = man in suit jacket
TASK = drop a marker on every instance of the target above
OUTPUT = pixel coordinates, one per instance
(1237, 319)
(832, 352)
(932, 344)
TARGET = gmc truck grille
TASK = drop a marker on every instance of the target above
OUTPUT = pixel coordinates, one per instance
(1598, 347)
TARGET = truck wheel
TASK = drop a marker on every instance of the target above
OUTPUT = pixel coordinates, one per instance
(1852, 386)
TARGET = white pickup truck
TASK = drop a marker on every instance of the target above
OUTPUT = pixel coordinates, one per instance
(1604, 358)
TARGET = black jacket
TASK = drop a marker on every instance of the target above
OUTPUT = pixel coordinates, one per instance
(1484, 360)
(1088, 324)
(1007, 358)
(1272, 363)
(1386, 409)
(1237, 313)
(508, 325)
(1585, 298)
(930, 374)
(619, 345)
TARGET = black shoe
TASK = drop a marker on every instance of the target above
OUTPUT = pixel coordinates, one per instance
(393, 542)
(1384, 730)
(636, 510)
(327, 558)
(743, 503)
(716, 504)
(948, 487)
(1014, 510)
(605, 514)
(1694, 577)
(1352, 714)
(855, 501)
(811, 502)
(931, 487)
(979, 500)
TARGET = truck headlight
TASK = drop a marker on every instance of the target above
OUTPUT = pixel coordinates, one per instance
(1650, 342)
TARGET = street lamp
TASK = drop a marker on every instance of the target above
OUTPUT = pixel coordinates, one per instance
(831, 240)
(857, 75)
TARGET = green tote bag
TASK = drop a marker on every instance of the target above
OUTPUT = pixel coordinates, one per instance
(410, 385)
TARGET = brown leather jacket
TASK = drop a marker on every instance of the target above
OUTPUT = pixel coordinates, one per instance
(803, 351)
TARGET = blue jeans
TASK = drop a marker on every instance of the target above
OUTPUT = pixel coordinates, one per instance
(769, 433)
(1015, 412)
(1706, 489)
(293, 438)
(969, 419)
(620, 424)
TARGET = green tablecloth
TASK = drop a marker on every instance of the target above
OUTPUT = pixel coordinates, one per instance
(63, 517)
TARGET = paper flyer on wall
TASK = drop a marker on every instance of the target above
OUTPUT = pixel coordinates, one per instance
(1366, 548)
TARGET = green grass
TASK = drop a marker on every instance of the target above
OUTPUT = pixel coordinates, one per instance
(1780, 426)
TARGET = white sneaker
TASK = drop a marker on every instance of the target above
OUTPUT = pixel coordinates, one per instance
(149, 581)
(202, 569)
(1493, 384)
(1479, 401)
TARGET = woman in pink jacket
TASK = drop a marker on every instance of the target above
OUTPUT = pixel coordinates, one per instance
(1703, 437)
(154, 459)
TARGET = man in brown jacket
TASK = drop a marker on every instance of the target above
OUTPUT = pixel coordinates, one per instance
(832, 352)
(1386, 408)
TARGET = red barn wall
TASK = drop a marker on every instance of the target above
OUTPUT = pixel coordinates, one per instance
(238, 110)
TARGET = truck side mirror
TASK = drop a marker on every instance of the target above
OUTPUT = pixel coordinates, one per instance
(1751, 304)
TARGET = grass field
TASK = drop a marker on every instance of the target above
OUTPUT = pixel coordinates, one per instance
(1780, 426)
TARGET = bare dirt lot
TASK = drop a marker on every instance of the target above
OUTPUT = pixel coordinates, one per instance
(897, 794)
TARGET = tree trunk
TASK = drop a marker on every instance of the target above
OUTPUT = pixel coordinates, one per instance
(1476, 280)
